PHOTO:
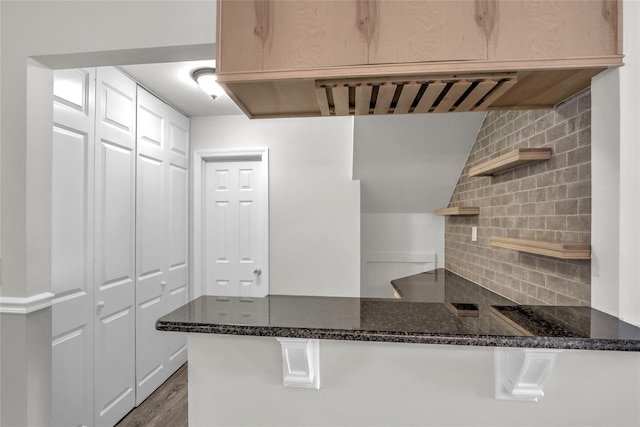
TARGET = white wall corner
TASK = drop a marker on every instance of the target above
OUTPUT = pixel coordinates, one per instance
(519, 373)
(629, 178)
(300, 362)
(27, 305)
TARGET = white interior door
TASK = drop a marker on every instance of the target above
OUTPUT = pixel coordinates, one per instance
(162, 270)
(176, 291)
(72, 246)
(114, 361)
(235, 204)
(151, 244)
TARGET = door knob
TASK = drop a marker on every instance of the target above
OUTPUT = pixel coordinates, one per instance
(100, 304)
(163, 284)
(257, 271)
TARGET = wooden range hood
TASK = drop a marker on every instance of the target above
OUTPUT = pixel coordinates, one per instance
(318, 58)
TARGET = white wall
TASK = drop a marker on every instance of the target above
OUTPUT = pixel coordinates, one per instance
(238, 381)
(408, 166)
(71, 31)
(402, 241)
(615, 281)
(411, 163)
(314, 205)
(64, 35)
(629, 167)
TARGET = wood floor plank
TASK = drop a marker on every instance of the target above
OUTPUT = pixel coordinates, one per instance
(167, 406)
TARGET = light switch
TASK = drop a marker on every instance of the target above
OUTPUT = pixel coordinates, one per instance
(474, 234)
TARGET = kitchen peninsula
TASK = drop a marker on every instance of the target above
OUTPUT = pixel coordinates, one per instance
(241, 354)
(440, 307)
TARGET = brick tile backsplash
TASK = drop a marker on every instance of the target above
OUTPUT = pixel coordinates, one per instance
(549, 200)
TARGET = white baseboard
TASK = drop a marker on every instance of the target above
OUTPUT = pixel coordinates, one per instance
(378, 269)
(377, 256)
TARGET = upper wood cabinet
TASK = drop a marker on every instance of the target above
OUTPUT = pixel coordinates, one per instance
(281, 35)
(423, 31)
(317, 57)
(555, 29)
(264, 35)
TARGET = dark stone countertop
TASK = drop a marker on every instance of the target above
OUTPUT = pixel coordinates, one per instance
(441, 285)
(456, 312)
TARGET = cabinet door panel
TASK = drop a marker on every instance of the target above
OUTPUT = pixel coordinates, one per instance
(239, 47)
(281, 34)
(554, 29)
(420, 31)
(311, 34)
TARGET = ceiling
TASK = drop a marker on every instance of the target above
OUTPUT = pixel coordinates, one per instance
(172, 82)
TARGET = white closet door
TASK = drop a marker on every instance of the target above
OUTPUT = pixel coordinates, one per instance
(114, 246)
(151, 244)
(161, 238)
(177, 226)
(72, 246)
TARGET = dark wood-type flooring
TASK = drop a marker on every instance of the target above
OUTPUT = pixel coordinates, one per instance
(167, 406)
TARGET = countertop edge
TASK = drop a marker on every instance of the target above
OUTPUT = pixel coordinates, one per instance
(562, 343)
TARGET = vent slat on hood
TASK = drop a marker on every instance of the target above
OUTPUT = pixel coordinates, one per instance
(415, 94)
(496, 93)
(407, 97)
(363, 99)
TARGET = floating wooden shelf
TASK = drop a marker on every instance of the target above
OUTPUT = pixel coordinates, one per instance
(460, 210)
(559, 250)
(510, 160)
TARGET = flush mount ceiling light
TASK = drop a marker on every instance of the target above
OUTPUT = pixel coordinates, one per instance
(207, 80)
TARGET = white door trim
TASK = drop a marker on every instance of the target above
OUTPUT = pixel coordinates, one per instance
(199, 159)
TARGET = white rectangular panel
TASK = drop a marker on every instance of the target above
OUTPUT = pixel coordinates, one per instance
(113, 357)
(69, 210)
(220, 287)
(177, 225)
(222, 180)
(69, 378)
(118, 108)
(117, 208)
(246, 288)
(245, 179)
(149, 355)
(245, 230)
(71, 89)
(150, 126)
(151, 228)
(179, 138)
(221, 227)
